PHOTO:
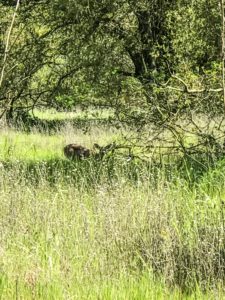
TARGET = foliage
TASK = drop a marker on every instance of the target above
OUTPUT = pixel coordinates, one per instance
(146, 221)
(153, 62)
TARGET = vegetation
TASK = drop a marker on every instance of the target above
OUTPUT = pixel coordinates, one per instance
(114, 228)
(150, 62)
(146, 220)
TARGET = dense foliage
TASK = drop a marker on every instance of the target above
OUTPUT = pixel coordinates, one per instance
(151, 61)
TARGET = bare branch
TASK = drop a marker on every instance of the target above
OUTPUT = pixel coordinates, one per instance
(7, 42)
(187, 90)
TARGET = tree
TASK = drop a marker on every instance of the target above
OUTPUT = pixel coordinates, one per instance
(152, 61)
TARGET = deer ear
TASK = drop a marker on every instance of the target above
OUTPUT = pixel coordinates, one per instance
(96, 146)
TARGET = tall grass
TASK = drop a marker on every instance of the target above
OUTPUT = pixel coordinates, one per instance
(107, 229)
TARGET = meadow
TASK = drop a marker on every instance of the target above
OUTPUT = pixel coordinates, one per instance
(107, 229)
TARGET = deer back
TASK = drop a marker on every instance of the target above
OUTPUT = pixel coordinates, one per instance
(74, 151)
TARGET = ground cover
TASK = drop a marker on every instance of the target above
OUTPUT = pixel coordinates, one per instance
(108, 229)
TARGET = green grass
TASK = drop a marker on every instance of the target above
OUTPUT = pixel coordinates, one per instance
(111, 240)
(34, 146)
(111, 229)
(89, 114)
(15, 145)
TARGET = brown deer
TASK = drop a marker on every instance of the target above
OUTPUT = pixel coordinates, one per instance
(75, 151)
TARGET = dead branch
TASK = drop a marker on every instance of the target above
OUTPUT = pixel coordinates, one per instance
(187, 90)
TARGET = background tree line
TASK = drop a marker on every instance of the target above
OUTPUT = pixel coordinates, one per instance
(155, 62)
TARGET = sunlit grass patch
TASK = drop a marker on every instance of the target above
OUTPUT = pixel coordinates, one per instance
(90, 113)
(33, 146)
(15, 145)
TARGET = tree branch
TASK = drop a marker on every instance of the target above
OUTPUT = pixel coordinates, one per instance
(187, 90)
(223, 47)
(7, 43)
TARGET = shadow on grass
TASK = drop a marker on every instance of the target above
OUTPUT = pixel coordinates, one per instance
(91, 172)
(82, 173)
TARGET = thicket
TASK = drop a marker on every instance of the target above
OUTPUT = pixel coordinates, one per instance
(156, 63)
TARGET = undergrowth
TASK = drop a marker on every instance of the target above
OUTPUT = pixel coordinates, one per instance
(116, 228)
(109, 223)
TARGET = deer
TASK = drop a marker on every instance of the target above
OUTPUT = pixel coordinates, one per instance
(77, 152)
